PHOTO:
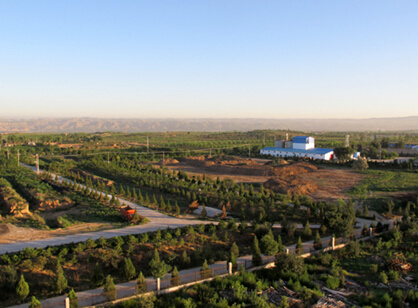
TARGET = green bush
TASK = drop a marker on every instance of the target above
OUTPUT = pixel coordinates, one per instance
(332, 283)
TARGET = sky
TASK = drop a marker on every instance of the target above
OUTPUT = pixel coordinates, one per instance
(208, 59)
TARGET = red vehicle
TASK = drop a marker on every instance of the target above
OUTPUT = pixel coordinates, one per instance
(127, 212)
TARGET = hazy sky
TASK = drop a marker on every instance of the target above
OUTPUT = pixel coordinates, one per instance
(207, 58)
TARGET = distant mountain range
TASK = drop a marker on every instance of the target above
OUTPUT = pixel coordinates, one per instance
(71, 125)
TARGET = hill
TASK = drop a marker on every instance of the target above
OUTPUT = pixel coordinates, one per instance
(70, 125)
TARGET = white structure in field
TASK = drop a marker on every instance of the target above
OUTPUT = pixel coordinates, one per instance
(301, 146)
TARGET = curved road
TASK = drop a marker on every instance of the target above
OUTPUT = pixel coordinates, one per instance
(157, 220)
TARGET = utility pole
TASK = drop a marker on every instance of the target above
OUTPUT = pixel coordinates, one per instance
(37, 163)
(264, 140)
(18, 158)
(147, 144)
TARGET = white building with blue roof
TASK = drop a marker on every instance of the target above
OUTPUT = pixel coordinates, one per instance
(302, 146)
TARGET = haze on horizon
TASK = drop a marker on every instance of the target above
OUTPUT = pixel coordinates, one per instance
(208, 59)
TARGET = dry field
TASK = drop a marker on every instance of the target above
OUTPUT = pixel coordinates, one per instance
(320, 183)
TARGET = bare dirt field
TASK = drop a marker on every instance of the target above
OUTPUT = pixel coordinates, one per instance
(10, 233)
(320, 183)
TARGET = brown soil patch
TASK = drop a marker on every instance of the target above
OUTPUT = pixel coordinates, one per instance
(20, 234)
(320, 183)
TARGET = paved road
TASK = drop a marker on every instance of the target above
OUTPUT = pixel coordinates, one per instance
(157, 220)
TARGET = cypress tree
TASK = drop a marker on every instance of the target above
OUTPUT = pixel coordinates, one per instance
(234, 249)
(128, 192)
(175, 277)
(34, 303)
(204, 213)
(97, 276)
(60, 281)
(128, 269)
(109, 289)
(307, 232)
(141, 283)
(299, 246)
(280, 247)
(205, 271)
(22, 289)
(317, 241)
(162, 204)
(147, 202)
(169, 208)
(177, 209)
(73, 299)
(121, 190)
(140, 197)
(158, 268)
(256, 253)
(134, 195)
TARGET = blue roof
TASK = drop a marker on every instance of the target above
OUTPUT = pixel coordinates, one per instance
(300, 139)
(311, 151)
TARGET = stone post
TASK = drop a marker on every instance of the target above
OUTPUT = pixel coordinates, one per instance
(229, 268)
(371, 232)
(287, 251)
(333, 243)
(158, 285)
(67, 302)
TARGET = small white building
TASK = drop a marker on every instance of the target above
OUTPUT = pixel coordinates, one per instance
(302, 146)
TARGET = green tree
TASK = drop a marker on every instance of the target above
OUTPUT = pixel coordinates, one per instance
(360, 164)
(256, 260)
(205, 271)
(268, 245)
(204, 213)
(307, 232)
(60, 281)
(97, 276)
(175, 277)
(280, 246)
(177, 209)
(234, 249)
(162, 204)
(158, 267)
(73, 299)
(34, 303)
(121, 190)
(141, 284)
(22, 289)
(343, 153)
(128, 269)
(317, 241)
(290, 263)
(284, 303)
(109, 289)
(299, 246)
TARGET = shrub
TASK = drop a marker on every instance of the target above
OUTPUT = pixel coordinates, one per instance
(332, 283)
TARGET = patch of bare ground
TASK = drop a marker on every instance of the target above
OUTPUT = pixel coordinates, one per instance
(320, 183)
(11, 234)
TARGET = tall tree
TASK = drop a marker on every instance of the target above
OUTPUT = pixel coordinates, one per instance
(175, 277)
(141, 283)
(128, 269)
(109, 289)
(256, 253)
(22, 289)
(60, 281)
(158, 267)
(73, 299)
